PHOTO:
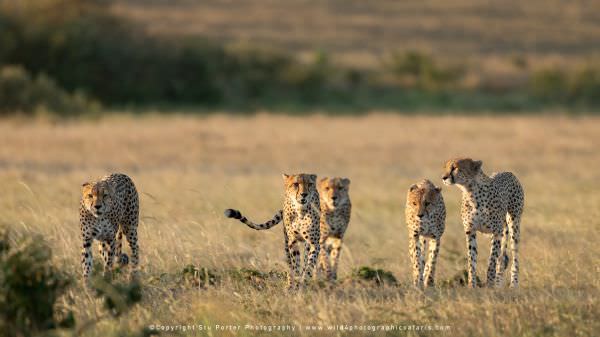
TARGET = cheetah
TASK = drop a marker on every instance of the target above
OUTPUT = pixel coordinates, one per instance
(490, 204)
(425, 219)
(335, 216)
(109, 208)
(300, 215)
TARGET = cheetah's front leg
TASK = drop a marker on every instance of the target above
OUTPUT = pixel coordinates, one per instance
(292, 254)
(434, 250)
(311, 255)
(324, 266)
(109, 255)
(86, 257)
(472, 258)
(494, 254)
(414, 247)
(336, 247)
(502, 259)
(131, 236)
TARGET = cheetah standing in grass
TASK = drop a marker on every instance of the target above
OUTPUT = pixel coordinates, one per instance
(492, 205)
(335, 216)
(300, 217)
(109, 208)
(425, 219)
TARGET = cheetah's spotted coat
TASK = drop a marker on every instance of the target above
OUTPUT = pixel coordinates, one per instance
(425, 219)
(490, 204)
(300, 217)
(335, 216)
(108, 209)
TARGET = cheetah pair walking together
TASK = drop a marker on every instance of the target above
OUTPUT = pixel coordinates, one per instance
(318, 216)
(490, 204)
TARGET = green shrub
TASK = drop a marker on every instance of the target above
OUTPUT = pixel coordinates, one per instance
(118, 298)
(550, 84)
(30, 285)
(417, 70)
(29, 288)
(574, 86)
(20, 92)
(83, 46)
(377, 276)
(584, 85)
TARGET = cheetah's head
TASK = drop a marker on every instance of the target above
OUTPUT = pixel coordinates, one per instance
(97, 197)
(334, 191)
(461, 171)
(300, 188)
(421, 197)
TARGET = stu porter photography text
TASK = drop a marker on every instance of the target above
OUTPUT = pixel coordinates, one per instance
(297, 328)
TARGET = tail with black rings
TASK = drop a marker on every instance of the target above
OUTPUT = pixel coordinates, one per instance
(235, 214)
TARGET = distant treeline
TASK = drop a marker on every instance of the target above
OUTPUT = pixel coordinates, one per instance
(78, 53)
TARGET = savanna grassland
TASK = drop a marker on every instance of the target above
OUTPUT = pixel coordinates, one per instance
(188, 169)
(360, 33)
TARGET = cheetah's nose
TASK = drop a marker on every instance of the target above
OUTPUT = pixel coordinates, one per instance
(333, 198)
(420, 215)
(97, 206)
(303, 195)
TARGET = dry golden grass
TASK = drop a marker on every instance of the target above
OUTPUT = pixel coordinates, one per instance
(360, 32)
(189, 169)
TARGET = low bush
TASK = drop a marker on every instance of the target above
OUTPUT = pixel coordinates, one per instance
(22, 93)
(375, 276)
(550, 84)
(418, 70)
(29, 288)
(574, 86)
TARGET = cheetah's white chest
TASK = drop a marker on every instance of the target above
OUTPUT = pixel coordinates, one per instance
(104, 229)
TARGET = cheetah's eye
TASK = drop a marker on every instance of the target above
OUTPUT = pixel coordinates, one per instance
(426, 203)
(296, 185)
(327, 188)
(90, 196)
(414, 204)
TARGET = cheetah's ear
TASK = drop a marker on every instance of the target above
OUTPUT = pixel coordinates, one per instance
(438, 189)
(477, 165)
(313, 177)
(413, 187)
(285, 176)
(87, 183)
(346, 182)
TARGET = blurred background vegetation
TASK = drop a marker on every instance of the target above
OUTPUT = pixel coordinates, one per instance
(72, 57)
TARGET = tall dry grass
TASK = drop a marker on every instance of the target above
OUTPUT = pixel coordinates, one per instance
(189, 169)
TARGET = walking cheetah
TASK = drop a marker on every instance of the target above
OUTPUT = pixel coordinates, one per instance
(425, 219)
(109, 208)
(490, 205)
(300, 217)
(335, 216)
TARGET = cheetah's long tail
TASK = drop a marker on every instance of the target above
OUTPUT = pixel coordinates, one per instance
(235, 214)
